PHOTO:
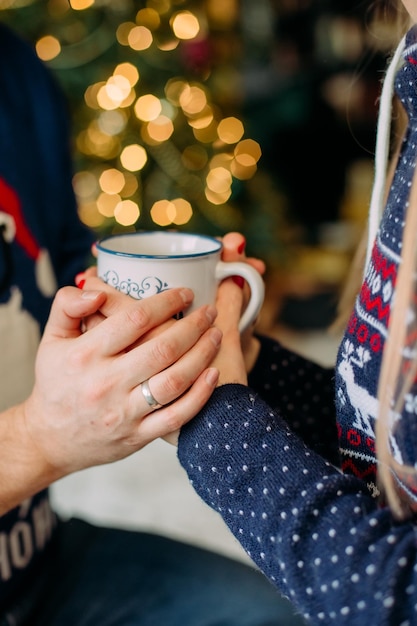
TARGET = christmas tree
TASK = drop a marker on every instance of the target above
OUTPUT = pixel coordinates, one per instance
(155, 96)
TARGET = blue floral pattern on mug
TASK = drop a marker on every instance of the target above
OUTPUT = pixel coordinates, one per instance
(149, 286)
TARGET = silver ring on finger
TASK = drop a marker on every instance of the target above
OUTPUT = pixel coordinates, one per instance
(148, 395)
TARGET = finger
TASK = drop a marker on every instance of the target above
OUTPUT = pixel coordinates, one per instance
(229, 302)
(92, 321)
(129, 319)
(233, 247)
(177, 299)
(157, 354)
(170, 419)
(81, 277)
(234, 250)
(175, 380)
(257, 264)
(68, 309)
(153, 332)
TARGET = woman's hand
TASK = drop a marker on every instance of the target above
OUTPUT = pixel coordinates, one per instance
(234, 250)
(87, 407)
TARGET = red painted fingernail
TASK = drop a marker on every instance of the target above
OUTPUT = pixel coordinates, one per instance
(241, 247)
(239, 281)
(81, 283)
(79, 277)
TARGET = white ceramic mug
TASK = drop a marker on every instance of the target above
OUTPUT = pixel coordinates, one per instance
(145, 263)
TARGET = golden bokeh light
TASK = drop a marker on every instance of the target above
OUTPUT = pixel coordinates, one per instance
(47, 48)
(243, 172)
(126, 212)
(122, 32)
(203, 119)
(129, 100)
(219, 180)
(246, 156)
(161, 6)
(81, 5)
(207, 134)
(89, 214)
(222, 159)
(167, 45)
(114, 92)
(248, 147)
(140, 38)
(133, 157)
(230, 130)
(90, 95)
(112, 181)
(245, 160)
(85, 185)
(131, 185)
(129, 71)
(112, 122)
(147, 107)
(106, 204)
(93, 141)
(160, 129)
(217, 198)
(185, 25)
(148, 17)
(183, 211)
(163, 212)
(174, 88)
(193, 100)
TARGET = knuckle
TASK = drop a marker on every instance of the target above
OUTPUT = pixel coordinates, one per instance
(138, 316)
(174, 384)
(165, 351)
(174, 300)
(201, 320)
(61, 295)
(79, 359)
(173, 420)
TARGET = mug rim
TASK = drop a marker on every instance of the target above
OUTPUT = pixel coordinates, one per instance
(100, 245)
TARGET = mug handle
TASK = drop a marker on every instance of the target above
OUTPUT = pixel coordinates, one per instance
(255, 282)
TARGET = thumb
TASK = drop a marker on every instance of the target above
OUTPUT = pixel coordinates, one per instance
(233, 247)
(229, 304)
(68, 309)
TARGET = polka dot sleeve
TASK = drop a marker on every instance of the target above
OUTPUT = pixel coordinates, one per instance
(302, 392)
(315, 533)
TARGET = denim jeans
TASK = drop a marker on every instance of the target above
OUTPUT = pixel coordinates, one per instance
(111, 577)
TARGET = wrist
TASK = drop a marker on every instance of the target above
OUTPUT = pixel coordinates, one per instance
(24, 470)
(251, 353)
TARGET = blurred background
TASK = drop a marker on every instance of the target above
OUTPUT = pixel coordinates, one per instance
(217, 115)
(210, 116)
